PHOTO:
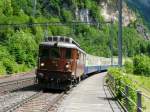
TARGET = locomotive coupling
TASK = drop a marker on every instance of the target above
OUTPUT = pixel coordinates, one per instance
(40, 75)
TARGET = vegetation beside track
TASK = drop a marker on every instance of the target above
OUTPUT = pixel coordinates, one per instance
(135, 73)
(120, 80)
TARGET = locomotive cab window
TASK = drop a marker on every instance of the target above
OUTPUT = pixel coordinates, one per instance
(68, 53)
(54, 52)
(44, 53)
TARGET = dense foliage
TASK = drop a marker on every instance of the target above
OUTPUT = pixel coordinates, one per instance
(135, 73)
(141, 65)
(121, 80)
(19, 44)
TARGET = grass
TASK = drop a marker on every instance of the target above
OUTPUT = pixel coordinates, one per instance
(143, 84)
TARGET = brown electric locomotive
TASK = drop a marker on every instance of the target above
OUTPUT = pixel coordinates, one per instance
(61, 62)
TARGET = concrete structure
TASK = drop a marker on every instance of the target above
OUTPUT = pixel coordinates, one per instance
(91, 95)
(82, 15)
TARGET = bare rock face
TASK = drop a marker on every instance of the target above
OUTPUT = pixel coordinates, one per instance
(109, 13)
(142, 30)
(82, 15)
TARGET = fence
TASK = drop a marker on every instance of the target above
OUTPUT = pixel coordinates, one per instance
(141, 103)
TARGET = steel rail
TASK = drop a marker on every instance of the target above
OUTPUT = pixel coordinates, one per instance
(33, 99)
(53, 102)
(16, 84)
(18, 104)
(9, 82)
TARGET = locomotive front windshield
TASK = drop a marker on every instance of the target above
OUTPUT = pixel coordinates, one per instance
(68, 53)
(55, 52)
(52, 52)
(44, 53)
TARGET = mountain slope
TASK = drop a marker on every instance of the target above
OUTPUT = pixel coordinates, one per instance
(143, 6)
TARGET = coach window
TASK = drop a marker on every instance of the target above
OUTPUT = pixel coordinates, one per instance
(83, 57)
(54, 52)
(68, 53)
(44, 53)
(79, 55)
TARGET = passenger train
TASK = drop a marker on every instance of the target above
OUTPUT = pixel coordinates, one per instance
(62, 63)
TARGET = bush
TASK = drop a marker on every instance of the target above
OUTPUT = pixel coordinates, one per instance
(7, 63)
(67, 15)
(23, 68)
(23, 47)
(128, 66)
(60, 30)
(141, 64)
(121, 79)
(10, 65)
(2, 69)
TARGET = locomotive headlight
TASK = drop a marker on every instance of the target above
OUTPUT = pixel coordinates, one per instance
(67, 66)
(42, 64)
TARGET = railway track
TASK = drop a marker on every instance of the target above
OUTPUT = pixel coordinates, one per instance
(39, 102)
(20, 98)
(24, 94)
(6, 87)
(10, 99)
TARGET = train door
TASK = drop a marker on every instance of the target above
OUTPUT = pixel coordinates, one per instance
(74, 62)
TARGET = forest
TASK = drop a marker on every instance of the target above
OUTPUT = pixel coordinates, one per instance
(19, 43)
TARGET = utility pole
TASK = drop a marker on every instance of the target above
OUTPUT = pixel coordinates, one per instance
(34, 7)
(111, 40)
(120, 34)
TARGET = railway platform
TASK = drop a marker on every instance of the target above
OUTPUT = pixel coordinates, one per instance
(91, 95)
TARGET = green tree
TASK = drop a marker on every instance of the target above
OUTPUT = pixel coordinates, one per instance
(23, 47)
(8, 10)
(67, 16)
